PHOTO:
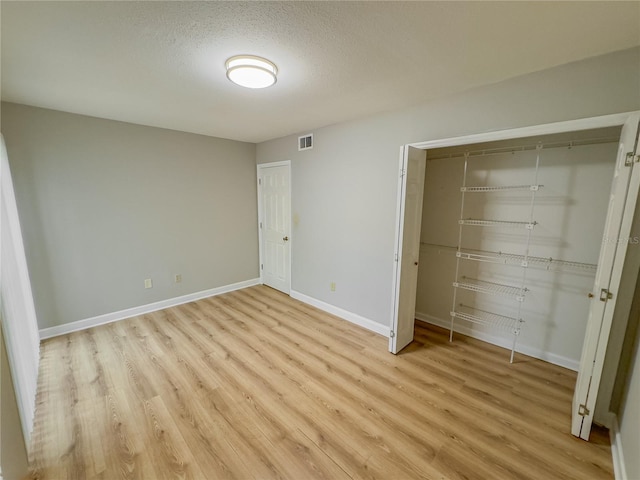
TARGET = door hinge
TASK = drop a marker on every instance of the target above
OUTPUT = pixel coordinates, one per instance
(605, 295)
(262, 266)
(259, 181)
(403, 172)
(260, 224)
(583, 411)
(630, 159)
(392, 334)
(395, 257)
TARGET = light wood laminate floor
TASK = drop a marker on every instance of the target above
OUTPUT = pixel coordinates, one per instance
(255, 385)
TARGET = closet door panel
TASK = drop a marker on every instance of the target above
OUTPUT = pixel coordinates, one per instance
(622, 203)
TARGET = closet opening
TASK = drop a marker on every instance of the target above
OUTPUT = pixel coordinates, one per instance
(523, 238)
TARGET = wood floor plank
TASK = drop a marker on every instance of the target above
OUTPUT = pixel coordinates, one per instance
(256, 385)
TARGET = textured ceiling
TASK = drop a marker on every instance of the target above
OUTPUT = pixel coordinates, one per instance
(162, 63)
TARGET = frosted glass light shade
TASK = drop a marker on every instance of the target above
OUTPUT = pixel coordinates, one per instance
(251, 72)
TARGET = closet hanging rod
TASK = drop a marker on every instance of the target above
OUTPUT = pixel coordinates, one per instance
(481, 222)
(515, 259)
(499, 188)
(523, 148)
(511, 258)
(492, 288)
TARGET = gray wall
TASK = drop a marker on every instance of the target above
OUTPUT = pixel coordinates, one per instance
(625, 401)
(106, 204)
(344, 189)
(629, 417)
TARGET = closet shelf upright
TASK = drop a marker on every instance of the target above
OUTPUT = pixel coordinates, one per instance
(517, 293)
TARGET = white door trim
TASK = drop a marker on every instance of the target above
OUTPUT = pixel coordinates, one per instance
(614, 120)
(19, 321)
(259, 168)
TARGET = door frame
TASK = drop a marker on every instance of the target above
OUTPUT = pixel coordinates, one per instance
(259, 168)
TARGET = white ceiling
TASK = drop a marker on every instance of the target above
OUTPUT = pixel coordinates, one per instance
(162, 63)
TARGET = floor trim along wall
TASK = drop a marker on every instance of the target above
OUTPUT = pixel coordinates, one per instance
(619, 469)
(344, 314)
(503, 342)
(141, 310)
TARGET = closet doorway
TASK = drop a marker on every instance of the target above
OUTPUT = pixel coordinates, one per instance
(506, 258)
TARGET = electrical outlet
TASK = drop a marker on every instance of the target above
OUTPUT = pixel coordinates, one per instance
(333, 286)
(148, 283)
(178, 278)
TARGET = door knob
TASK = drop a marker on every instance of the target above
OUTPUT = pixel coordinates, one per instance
(286, 239)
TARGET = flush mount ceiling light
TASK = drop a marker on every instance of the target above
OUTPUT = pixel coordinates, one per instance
(251, 71)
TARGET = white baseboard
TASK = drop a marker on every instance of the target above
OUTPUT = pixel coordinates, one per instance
(619, 470)
(344, 314)
(141, 310)
(503, 342)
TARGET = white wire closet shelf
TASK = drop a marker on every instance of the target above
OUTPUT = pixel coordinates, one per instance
(525, 147)
(490, 319)
(500, 188)
(491, 288)
(547, 263)
(478, 222)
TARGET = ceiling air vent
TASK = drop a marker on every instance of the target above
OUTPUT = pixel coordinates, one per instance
(305, 142)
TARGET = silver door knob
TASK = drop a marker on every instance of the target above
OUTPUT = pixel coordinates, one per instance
(286, 239)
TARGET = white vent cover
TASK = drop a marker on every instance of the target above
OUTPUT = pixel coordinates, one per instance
(305, 142)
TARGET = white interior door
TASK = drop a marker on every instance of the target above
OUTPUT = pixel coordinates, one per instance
(410, 192)
(622, 204)
(274, 198)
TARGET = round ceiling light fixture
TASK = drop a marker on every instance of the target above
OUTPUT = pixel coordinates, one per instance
(251, 71)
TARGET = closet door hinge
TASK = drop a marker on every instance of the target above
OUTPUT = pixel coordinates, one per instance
(392, 334)
(262, 266)
(605, 295)
(403, 172)
(583, 411)
(631, 159)
(395, 257)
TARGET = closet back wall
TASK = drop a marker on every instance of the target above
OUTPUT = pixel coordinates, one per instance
(105, 205)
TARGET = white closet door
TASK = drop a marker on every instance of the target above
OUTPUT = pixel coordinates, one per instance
(411, 188)
(622, 204)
